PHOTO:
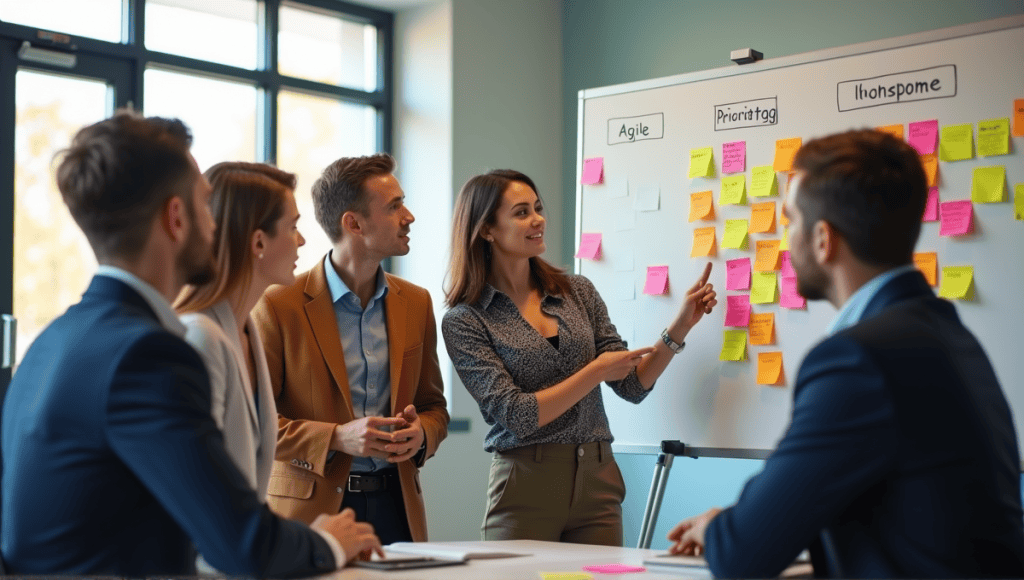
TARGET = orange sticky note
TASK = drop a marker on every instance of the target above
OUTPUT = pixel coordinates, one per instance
(762, 218)
(767, 256)
(894, 130)
(1018, 118)
(927, 263)
(703, 242)
(762, 328)
(701, 207)
(930, 162)
(785, 151)
(769, 368)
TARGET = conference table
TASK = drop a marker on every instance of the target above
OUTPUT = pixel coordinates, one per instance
(536, 557)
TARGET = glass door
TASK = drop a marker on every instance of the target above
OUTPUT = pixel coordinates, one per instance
(48, 263)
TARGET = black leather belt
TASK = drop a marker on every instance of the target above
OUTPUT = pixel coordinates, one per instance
(367, 482)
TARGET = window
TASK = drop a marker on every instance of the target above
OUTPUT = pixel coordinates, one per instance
(297, 83)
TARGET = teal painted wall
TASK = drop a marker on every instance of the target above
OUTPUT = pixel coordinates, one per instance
(607, 42)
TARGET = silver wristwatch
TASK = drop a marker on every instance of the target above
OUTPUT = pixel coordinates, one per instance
(675, 347)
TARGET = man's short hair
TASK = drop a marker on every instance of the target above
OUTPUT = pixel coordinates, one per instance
(341, 188)
(868, 185)
(118, 174)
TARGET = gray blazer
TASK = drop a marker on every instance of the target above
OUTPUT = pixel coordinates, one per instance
(250, 435)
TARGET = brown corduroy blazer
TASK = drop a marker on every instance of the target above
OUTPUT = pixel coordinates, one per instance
(308, 374)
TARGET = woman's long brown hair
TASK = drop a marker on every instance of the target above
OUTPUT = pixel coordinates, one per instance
(471, 255)
(246, 197)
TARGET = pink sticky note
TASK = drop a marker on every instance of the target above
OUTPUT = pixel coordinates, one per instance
(786, 270)
(737, 274)
(590, 246)
(931, 207)
(955, 217)
(922, 136)
(657, 280)
(788, 296)
(734, 157)
(614, 569)
(737, 311)
(593, 171)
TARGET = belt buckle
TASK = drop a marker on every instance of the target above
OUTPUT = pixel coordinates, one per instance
(348, 484)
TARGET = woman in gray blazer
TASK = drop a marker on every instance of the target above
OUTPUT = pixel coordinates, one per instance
(256, 244)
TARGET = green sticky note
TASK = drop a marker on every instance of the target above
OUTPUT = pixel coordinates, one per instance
(957, 282)
(1018, 202)
(734, 345)
(994, 137)
(763, 288)
(735, 235)
(734, 190)
(763, 182)
(701, 163)
(989, 184)
(956, 142)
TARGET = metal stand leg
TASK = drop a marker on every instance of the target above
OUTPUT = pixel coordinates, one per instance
(669, 449)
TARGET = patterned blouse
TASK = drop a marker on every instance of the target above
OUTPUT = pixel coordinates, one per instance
(503, 361)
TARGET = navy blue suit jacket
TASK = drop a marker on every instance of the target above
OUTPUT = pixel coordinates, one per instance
(112, 462)
(900, 460)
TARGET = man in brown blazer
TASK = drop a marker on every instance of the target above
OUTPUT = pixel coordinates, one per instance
(353, 363)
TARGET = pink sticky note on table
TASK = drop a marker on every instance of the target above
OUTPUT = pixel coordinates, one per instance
(922, 136)
(734, 157)
(590, 246)
(956, 218)
(614, 569)
(657, 280)
(737, 311)
(786, 269)
(931, 207)
(788, 296)
(593, 171)
(737, 274)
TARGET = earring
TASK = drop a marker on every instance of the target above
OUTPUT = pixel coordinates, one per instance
(261, 256)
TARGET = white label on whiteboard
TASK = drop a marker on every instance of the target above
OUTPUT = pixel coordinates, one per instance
(633, 129)
(938, 82)
(754, 113)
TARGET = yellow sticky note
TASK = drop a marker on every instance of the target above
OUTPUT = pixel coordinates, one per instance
(894, 130)
(734, 345)
(701, 207)
(957, 282)
(785, 151)
(1018, 202)
(989, 184)
(762, 218)
(956, 142)
(566, 576)
(734, 190)
(994, 137)
(701, 164)
(763, 288)
(769, 368)
(767, 256)
(931, 167)
(762, 328)
(703, 242)
(784, 244)
(927, 263)
(735, 235)
(763, 182)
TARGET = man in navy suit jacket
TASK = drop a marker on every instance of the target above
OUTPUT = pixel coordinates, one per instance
(112, 462)
(901, 458)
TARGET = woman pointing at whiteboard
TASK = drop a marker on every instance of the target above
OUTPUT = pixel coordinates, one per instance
(532, 344)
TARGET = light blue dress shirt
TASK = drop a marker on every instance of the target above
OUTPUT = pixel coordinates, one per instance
(364, 340)
(853, 310)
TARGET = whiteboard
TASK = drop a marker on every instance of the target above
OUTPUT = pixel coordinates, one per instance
(717, 406)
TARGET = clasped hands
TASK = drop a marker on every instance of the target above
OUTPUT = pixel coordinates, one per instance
(392, 438)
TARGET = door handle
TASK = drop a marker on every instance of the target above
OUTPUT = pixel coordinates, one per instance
(10, 332)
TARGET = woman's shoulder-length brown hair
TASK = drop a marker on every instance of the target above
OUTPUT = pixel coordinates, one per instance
(470, 253)
(246, 197)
